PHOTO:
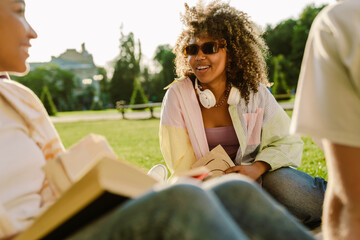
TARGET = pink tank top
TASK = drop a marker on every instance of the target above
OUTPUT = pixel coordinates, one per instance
(226, 137)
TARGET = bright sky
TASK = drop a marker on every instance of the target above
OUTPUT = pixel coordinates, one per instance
(63, 24)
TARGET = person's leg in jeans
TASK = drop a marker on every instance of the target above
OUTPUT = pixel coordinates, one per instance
(178, 212)
(299, 192)
(256, 213)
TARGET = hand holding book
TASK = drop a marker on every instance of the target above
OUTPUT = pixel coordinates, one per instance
(217, 161)
(254, 170)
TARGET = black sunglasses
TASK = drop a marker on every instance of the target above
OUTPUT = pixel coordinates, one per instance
(206, 48)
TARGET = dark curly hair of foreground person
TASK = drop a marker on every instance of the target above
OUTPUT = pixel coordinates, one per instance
(246, 49)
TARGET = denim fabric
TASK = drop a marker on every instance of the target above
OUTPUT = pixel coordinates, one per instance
(299, 192)
(229, 207)
(255, 212)
(179, 212)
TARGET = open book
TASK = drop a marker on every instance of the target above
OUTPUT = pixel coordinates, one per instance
(216, 161)
(90, 181)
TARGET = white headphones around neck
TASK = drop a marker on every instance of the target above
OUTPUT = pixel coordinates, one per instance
(208, 100)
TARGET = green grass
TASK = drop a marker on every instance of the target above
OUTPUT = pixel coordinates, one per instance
(137, 141)
(97, 112)
(88, 112)
(313, 160)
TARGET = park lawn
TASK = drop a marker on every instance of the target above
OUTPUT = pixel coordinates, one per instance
(87, 112)
(97, 112)
(137, 141)
(313, 159)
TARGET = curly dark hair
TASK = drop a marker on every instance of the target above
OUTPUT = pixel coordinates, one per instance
(245, 46)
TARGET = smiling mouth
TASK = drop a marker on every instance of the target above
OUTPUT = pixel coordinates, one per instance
(201, 68)
(25, 49)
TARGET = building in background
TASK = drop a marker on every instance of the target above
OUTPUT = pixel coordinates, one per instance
(79, 63)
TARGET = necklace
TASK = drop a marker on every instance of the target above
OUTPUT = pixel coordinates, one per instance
(224, 96)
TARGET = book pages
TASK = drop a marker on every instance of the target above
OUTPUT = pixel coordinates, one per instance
(85, 154)
(217, 161)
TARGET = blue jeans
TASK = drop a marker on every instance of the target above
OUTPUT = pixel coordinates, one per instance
(299, 192)
(226, 208)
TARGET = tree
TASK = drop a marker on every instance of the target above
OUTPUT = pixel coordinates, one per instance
(301, 32)
(127, 68)
(280, 37)
(288, 39)
(138, 96)
(48, 102)
(104, 88)
(60, 83)
(86, 98)
(280, 86)
(63, 86)
(165, 58)
(147, 82)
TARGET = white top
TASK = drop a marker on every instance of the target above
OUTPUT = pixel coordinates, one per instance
(327, 103)
(27, 140)
(21, 177)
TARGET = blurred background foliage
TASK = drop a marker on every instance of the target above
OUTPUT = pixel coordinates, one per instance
(135, 81)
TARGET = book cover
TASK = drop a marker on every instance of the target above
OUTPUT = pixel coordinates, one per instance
(89, 181)
(216, 161)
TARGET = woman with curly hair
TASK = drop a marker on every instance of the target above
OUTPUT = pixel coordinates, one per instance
(28, 139)
(222, 98)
